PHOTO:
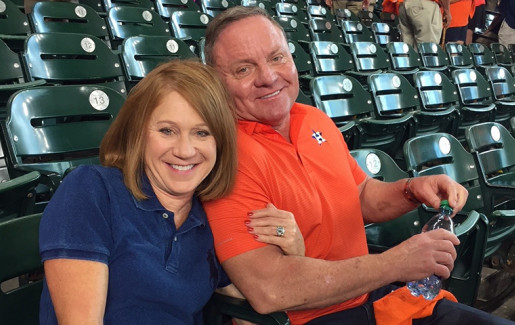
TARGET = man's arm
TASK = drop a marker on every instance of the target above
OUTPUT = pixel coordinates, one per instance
(446, 6)
(272, 281)
(383, 201)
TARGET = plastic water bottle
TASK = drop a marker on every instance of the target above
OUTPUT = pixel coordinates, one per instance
(430, 286)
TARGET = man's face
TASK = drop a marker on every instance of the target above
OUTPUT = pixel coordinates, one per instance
(254, 61)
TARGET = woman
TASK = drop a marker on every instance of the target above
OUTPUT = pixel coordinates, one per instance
(128, 242)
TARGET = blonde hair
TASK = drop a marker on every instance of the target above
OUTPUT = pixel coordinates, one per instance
(123, 146)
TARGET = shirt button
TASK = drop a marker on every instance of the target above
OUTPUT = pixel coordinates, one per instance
(165, 215)
(175, 238)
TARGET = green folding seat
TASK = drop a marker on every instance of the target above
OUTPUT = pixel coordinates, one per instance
(18, 196)
(322, 29)
(145, 4)
(166, 7)
(502, 83)
(319, 11)
(368, 17)
(12, 77)
(19, 259)
(141, 54)
(305, 71)
(459, 56)
(482, 56)
(127, 21)
(442, 153)
(369, 58)
(404, 59)
(439, 98)
(356, 31)
(433, 57)
(68, 17)
(14, 25)
(54, 129)
(476, 99)
(330, 58)
(294, 30)
(189, 24)
(384, 33)
(66, 58)
(214, 7)
(502, 55)
(342, 15)
(266, 5)
(291, 10)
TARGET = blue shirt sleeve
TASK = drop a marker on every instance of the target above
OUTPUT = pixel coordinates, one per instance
(76, 224)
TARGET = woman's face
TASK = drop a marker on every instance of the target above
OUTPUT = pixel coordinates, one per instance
(180, 150)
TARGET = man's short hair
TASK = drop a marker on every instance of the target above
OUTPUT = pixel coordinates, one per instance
(227, 17)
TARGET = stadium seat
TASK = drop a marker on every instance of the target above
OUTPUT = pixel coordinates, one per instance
(384, 33)
(97, 5)
(294, 30)
(476, 100)
(438, 95)
(459, 56)
(189, 25)
(369, 58)
(482, 55)
(322, 29)
(12, 76)
(305, 70)
(14, 25)
(502, 55)
(266, 5)
(441, 153)
(404, 59)
(166, 7)
(18, 196)
(341, 15)
(319, 11)
(214, 7)
(291, 10)
(53, 129)
(368, 18)
(19, 259)
(330, 58)
(65, 58)
(355, 31)
(68, 17)
(503, 87)
(220, 306)
(493, 148)
(141, 54)
(433, 57)
(133, 21)
(145, 4)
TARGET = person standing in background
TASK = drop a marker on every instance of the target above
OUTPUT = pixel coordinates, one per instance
(461, 11)
(507, 30)
(477, 20)
(421, 21)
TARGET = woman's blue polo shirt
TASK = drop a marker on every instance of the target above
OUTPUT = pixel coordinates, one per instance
(157, 274)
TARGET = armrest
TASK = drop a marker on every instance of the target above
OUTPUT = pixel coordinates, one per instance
(220, 305)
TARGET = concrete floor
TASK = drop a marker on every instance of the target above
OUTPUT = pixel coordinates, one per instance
(505, 305)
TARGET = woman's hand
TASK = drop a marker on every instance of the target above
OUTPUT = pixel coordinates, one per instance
(276, 227)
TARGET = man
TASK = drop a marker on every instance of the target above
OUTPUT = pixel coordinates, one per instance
(507, 30)
(353, 5)
(293, 156)
(421, 21)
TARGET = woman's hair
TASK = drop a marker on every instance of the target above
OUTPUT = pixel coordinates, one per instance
(124, 144)
(227, 17)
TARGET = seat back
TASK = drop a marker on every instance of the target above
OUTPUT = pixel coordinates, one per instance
(433, 56)
(345, 101)
(214, 7)
(355, 31)
(369, 57)
(330, 58)
(482, 55)
(47, 132)
(302, 59)
(318, 11)
(393, 95)
(343, 14)
(19, 256)
(132, 21)
(266, 5)
(459, 56)
(14, 25)
(322, 29)
(18, 196)
(368, 17)
(145, 4)
(403, 57)
(381, 236)
(502, 54)
(472, 87)
(293, 28)
(65, 58)
(141, 54)
(291, 10)
(166, 7)
(189, 24)
(68, 17)
(384, 33)
(502, 82)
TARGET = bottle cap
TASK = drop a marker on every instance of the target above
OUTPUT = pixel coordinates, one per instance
(445, 204)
